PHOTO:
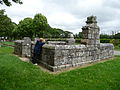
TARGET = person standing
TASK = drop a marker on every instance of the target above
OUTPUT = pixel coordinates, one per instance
(37, 50)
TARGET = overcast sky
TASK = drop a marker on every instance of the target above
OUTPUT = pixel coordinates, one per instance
(69, 15)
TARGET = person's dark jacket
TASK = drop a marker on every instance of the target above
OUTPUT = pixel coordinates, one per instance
(38, 47)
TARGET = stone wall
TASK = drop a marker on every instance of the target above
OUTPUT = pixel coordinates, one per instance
(58, 57)
(90, 32)
(57, 42)
(18, 47)
(23, 47)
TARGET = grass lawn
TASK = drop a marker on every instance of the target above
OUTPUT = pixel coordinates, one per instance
(9, 43)
(18, 75)
(117, 48)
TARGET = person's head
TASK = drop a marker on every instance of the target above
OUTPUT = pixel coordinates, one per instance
(42, 40)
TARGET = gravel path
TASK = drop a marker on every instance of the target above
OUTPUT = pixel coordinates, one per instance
(116, 52)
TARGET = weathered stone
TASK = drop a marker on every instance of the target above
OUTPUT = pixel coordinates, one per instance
(26, 48)
(90, 32)
(71, 40)
(57, 56)
(70, 55)
(91, 19)
(57, 42)
(23, 47)
(18, 47)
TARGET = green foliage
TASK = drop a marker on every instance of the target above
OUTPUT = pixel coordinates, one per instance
(117, 47)
(102, 36)
(67, 34)
(79, 35)
(40, 24)
(15, 34)
(115, 41)
(77, 41)
(19, 75)
(105, 36)
(59, 33)
(36, 27)
(25, 28)
(105, 40)
(2, 11)
(8, 3)
(117, 36)
(6, 25)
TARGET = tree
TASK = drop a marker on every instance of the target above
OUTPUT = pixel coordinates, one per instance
(6, 25)
(40, 25)
(8, 3)
(117, 36)
(25, 28)
(14, 34)
(64, 34)
(79, 35)
(105, 36)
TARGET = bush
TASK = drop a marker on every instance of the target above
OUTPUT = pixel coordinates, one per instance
(78, 41)
(115, 41)
(104, 40)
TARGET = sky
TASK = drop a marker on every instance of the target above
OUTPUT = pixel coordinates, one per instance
(69, 15)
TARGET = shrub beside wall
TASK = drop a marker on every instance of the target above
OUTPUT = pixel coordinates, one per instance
(115, 41)
(105, 40)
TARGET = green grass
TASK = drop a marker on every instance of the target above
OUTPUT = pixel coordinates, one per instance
(9, 43)
(6, 50)
(6, 42)
(19, 75)
(116, 47)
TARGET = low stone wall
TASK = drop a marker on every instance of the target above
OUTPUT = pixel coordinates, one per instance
(57, 42)
(18, 47)
(23, 47)
(58, 57)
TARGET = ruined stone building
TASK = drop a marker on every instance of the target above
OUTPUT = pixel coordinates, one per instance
(57, 56)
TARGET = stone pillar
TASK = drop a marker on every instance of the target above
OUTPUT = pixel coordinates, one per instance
(18, 47)
(26, 47)
(91, 32)
(71, 40)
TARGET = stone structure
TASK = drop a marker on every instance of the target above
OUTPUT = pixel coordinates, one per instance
(23, 47)
(71, 40)
(57, 56)
(91, 32)
(57, 42)
(26, 47)
(18, 47)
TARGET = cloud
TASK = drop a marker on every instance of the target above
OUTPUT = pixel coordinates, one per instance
(112, 3)
(70, 14)
(27, 9)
